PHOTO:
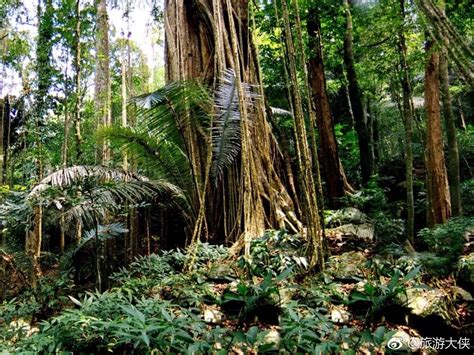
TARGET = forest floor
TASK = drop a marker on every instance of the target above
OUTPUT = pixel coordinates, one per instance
(369, 299)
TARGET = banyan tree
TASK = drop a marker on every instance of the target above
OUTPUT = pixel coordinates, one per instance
(205, 40)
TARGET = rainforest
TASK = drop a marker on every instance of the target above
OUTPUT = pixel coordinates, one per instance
(236, 176)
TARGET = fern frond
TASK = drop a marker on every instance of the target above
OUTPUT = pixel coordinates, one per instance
(163, 160)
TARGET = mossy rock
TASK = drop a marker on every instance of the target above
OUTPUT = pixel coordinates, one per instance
(346, 265)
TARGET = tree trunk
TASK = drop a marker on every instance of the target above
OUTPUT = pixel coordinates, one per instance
(44, 70)
(5, 116)
(102, 76)
(7, 139)
(453, 151)
(124, 98)
(333, 170)
(304, 156)
(77, 81)
(201, 41)
(438, 199)
(407, 114)
(360, 119)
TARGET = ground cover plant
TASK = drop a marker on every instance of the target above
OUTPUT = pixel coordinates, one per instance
(224, 305)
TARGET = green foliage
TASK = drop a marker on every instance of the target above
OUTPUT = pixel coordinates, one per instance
(309, 330)
(275, 251)
(467, 197)
(369, 199)
(348, 150)
(375, 296)
(15, 217)
(103, 190)
(255, 299)
(387, 229)
(446, 241)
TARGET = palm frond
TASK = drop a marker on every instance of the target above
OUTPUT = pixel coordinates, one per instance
(281, 112)
(105, 190)
(226, 134)
(162, 159)
(166, 113)
(78, 173)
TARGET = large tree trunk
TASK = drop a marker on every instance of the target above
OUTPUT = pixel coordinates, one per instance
(333, 171)
(355, 94)
(201, 41)
(102, 76)
(453, 151)
(439, 204)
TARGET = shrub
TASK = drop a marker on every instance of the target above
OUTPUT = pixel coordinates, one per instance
(447, 240)
(467, 196)
(274, 251)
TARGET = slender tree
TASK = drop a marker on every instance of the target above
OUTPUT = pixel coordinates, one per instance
(333, 170)
(124, 71)
(44, 49)
(304, 156)
(439, 203)
(407, 114)
(453, 151)
(102, 76)
(355, 95)
(77, 81)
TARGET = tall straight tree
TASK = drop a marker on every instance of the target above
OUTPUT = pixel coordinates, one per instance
(454, 48)
(102, 76)
(407, 113)
(355, 95)
(450, 122)
(77, 81)
(44, 49)
(44, 70)
(439, 202)
(454, 178)
(333, 170)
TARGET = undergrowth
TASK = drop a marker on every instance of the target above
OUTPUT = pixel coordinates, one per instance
(223, 305)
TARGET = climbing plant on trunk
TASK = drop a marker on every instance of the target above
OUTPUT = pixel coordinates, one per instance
(203, 38)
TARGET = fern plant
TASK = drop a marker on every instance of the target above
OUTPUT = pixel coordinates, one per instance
(179, 127)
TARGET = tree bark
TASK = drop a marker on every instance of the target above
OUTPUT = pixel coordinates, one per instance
(453, 151)
(4, 112)
(407, 114)
(201, 41)
(77, 83)
(102, 76)
(438, 199)
(355, 94)
(124, 97)
(332, 168)
(304, 154)
(44, 50)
